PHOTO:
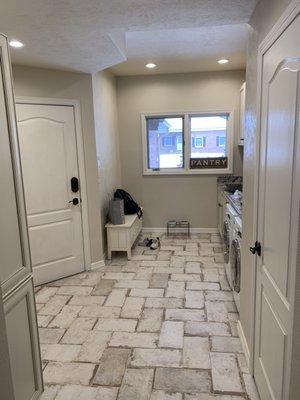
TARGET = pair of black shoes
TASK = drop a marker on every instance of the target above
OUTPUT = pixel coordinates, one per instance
(153, 243)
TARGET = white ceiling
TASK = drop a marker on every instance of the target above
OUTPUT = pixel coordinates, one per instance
(90, 35)
(185, 50)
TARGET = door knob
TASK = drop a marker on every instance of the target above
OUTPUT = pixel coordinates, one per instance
(256, 249)
(74, 201)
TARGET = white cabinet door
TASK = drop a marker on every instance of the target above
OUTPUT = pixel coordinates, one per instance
(15, 261)
(278, 217)
(6, 384)
(49, 162)
(15, 264)
(23, 339)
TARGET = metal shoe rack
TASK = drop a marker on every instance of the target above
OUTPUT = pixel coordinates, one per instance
(182, 226)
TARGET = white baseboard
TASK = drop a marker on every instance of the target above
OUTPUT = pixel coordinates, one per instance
(178, 230)
(244, 343)
(97, 264)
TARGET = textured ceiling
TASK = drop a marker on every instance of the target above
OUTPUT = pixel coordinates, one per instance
(90, 35)
(185, 50)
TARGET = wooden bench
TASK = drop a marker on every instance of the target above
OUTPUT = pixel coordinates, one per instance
(122, 237)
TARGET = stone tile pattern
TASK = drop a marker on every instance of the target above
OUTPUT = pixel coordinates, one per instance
(160, 326)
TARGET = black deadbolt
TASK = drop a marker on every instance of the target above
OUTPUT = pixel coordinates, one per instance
(74, 201)
(74, 184)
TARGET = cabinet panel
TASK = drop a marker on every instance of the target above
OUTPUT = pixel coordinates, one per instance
(22, 342)
(14, 248)
(6, 385)
(20, 327)
(10, 241)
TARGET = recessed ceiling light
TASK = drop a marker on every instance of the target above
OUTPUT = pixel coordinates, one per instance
(223, 61)
(16, 43)
(150, 65)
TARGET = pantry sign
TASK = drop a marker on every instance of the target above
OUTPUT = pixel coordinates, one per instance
(209, 163)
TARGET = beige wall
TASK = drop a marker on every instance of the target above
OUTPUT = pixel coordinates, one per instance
(265, 15)
(107, 139)
(39, 82)
(173, 197)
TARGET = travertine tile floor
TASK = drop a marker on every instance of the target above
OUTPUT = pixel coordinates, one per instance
(159, 327)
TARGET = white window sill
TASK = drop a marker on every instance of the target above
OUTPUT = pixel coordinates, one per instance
(189, 172)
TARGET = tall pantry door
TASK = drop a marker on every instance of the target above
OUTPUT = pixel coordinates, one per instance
(15, 264)
(278, 213)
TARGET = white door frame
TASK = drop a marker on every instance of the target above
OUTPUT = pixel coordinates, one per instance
(280, 26)
(81, 163)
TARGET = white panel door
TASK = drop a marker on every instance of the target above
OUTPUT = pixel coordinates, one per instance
(49, 161)
(278, 213)
(20, 363)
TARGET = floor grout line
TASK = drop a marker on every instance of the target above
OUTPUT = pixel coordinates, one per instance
(208, 323)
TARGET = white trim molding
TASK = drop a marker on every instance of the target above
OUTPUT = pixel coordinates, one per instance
(244, 344)
(97, 265)
(81, 163)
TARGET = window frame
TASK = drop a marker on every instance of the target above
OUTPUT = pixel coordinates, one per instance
(202, 142)
(218, 142)
(163, 141)
(186, 115)
(181, 144)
